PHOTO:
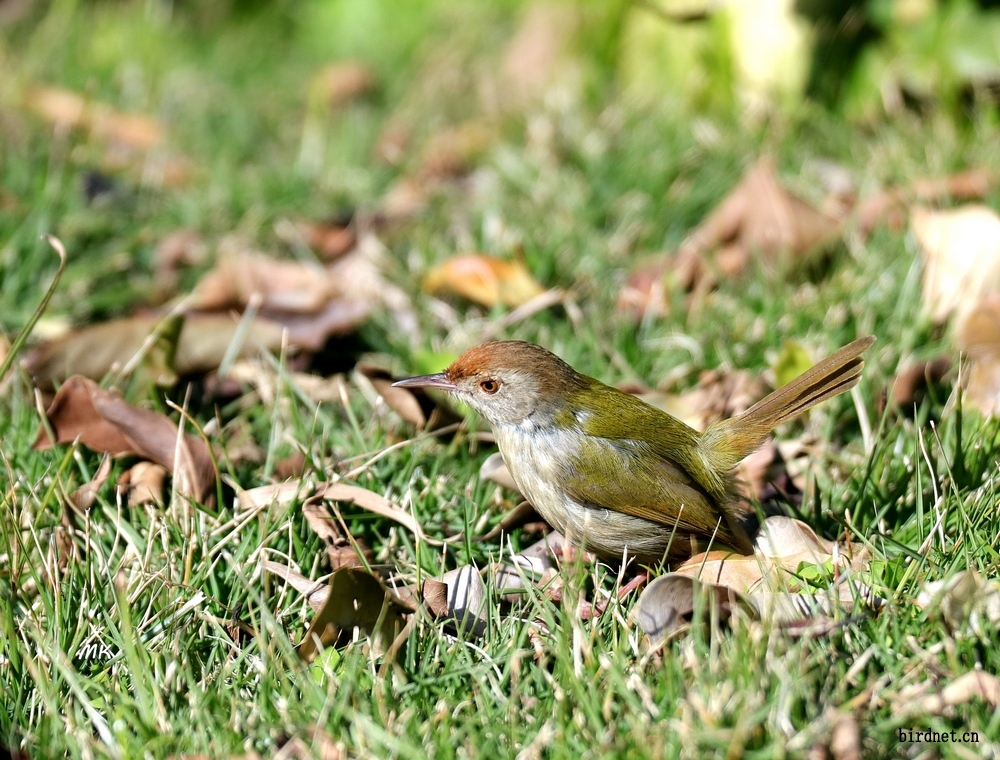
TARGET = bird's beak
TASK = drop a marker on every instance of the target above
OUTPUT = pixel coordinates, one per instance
(440, 381)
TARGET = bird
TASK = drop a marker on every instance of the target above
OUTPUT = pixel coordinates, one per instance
(616, 476)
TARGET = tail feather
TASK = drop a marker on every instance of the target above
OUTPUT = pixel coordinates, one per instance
(729, 441)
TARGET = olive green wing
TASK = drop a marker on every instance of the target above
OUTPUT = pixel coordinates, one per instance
(648, 464)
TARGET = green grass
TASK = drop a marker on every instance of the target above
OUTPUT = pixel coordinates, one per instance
(150, 590)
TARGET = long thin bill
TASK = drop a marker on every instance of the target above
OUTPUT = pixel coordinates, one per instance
(440, 380)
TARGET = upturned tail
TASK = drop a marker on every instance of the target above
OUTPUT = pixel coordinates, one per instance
(727, 442)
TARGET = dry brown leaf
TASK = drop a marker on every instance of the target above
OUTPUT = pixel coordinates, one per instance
(375, 503)
(911, 385)
(961, 251)
(239, 275)
(644, 295)
(357, 599)
(105, 422)
(341, 550)
(451, 152)
(759, 216)
(975, 684)
(672, 602)
(979, 337)
(891, 205)
(485, 280)
(460, 595)
(98, 350)
(343, 81)
(315, 592)
(175, 251)
(414, 405)
(495, 469)
(83, 498)
(845, 742)
(536, 55)
(331, 240)
(767, 578)
(964, 600)
(144, 483)
(65, 109)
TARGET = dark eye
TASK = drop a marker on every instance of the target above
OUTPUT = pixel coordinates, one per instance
(490, 386)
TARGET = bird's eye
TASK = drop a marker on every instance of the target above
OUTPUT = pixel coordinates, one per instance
(490, 386)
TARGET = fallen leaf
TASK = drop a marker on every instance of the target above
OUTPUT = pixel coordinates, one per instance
(964, 600)
(414, 405)
(341, 550)
(460, 595)
(495, 469)
(331, 240)
(343, 81)
(644, 295)
(239, 275)
(891, 205)
(315, 592)
(83, 498)
(975, 684)
(672, 602)
(144, 483)
(845, 742)
(979, 337)
(175, 251)
(771, 578)
(105, 422)
(961, 251)
(759, 216)
(911, 384)
(99, 350)
(450, 152)
(356, 600)
(67, 110)
(537, 53)
(283, 494)
(376, 504)
(485, 280)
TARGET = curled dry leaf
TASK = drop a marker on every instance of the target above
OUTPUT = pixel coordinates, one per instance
(98, 350)
(975, 684)
(768, 579)
(672, 602)
(964, 600)
(83, 498)
(356, 599)
(283, 494)
(239, 275)
(758, 216)
(485, 280)
(144, 483)
(452, 152)
(341, 550)
(65, 109)
(460, 595)
(105, 422)
(315, 592)
(414, 405)
(495, 469)
(979, 337)
(911, 385)
(343, 81)
(961, 252)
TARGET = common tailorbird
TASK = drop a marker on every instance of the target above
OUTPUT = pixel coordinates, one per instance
(611, 472)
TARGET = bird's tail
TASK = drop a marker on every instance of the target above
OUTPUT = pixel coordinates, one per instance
(729, 441)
